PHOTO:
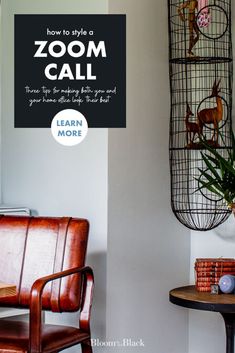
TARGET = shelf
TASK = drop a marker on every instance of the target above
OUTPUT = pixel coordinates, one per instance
(200, 60)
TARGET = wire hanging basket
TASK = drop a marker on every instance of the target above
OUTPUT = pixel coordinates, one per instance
(200, 65)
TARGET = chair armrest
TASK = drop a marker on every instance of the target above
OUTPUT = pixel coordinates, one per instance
(36, 302)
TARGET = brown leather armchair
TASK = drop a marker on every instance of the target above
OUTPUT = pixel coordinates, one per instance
(45, 258)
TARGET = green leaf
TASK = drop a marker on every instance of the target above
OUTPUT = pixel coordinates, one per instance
(210, 167)
(223, 171)
(228, 166)
(213, 160)
(228, 149)
(224, 164)
(221, 177)
(209, 187)
(227, 196)
(212, 181)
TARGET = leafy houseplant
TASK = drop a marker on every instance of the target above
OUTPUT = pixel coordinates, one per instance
(219, 177)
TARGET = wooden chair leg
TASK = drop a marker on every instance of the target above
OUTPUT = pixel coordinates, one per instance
(86, 346)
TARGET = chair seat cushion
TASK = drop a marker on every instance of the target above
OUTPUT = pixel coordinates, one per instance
(14, 337)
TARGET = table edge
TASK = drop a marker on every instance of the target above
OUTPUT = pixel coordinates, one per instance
(197, 305)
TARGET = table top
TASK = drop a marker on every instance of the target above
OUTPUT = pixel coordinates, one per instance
(7, 289)
(189, 297)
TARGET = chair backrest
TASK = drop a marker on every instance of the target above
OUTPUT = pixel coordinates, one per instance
(31, 248)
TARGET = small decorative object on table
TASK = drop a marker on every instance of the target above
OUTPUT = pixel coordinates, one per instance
(214, 289)
(208, 272)
(227, 284)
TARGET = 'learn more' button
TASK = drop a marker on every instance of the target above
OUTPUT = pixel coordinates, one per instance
(69, 127)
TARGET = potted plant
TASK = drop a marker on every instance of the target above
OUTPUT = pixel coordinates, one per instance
(219, 177)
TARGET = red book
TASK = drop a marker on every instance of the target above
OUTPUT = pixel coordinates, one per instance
(224, 269)
(215, 275)
(210, 262)
(215, 269)
(203, 289)
(206, 284)
(205, 279)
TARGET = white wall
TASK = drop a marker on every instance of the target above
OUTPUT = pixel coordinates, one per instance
(206, 330)
(53, 180)
(148, 250)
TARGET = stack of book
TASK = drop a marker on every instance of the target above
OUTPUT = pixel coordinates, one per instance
(209, 271)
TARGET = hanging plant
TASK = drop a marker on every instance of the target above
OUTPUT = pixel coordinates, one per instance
(219, 177)
(201, 70)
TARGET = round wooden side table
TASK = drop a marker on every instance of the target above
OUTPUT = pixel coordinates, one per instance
(224, 304)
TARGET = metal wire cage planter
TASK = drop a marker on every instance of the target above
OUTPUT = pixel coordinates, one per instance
(200, 60)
